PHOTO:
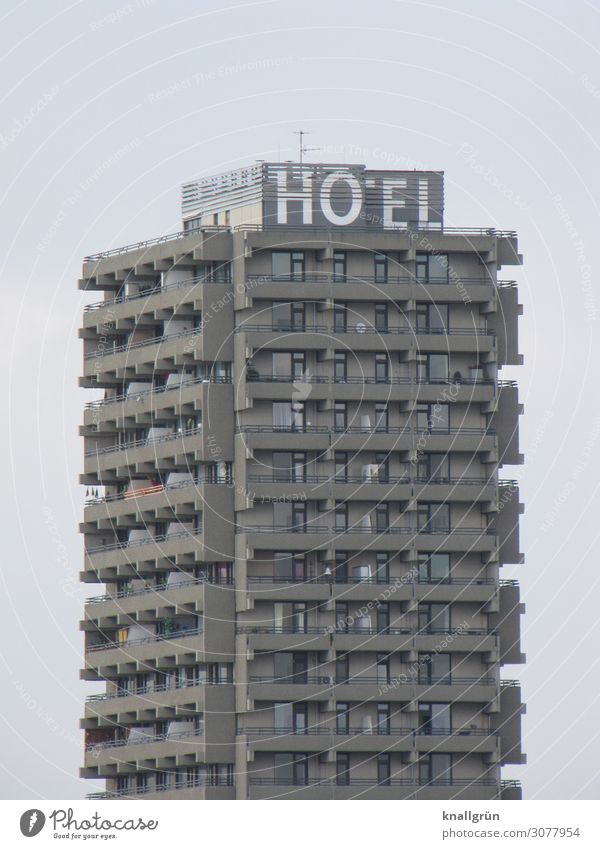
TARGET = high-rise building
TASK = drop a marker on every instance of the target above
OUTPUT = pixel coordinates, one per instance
(297, 500)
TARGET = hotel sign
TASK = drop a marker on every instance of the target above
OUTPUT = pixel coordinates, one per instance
(287, 194)
(351, 196)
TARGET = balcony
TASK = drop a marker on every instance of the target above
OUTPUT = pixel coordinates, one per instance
(181, 445)
(371, 688)
(326, 286)
(151, 300)
(162, 548)
(377, 487)
(144, 357)
(320, 638)
(143, 748)
(145, 405)
(367, 388)
(365, 337)
(202, 788)
(303, 536)
(356, 438)
(351, 589)
(125, 609)
(358, 739)
(164, 703)
(369, 788)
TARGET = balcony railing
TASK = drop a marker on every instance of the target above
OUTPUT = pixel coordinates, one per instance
(134, 494)
(158, 290)
(363, 329)
(254, 280)
(182, 784)
(334, 579)
(373, 782)
(156, 588)
(143, 343)
(375, 730)
(154, 390)
(216, 228)
(158, 240)
(254, 377)
(369, 430)
(356, 529)
(137, 741)
(368, 479)
(371, 680)
(114, 546)
(353, 630)
(153, 638)
(143, 443)
(152, 689)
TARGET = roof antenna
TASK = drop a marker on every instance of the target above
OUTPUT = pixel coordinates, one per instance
(304, 149)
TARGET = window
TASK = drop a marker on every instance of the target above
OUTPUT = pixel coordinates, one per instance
(288, 415)
(434, 618)
(432, 318)
(383, 718)
(433, 518)
(299, 716)
(341, 616)
(342, 769)
(436, 768)
(290, 768)
(434, 668)
(339, 318)
(381, 317)
(341, 466)
(290, 515)
(381, 418)
(342, 669)
(162, 780)
(288, 266)
(340, 414)
(383, 669)
(299, 617)
(382, 364)
(383, 617)
(433, 468)
(290, 667)
(382, 567)
(433, 417)
(342, 718)
(432, 268)
(435, 718)
(434, 568)
(288, 566)
(289, 316)
(340, 366)
(339, 266)
(432, 368)
(341, 516)
(298, 365)
(382, 517)
(220, 673)
(221, 372)
(341, 565)
(382, 460)
(286, 365)
(381, 268)
(289, 466)
(384, 771)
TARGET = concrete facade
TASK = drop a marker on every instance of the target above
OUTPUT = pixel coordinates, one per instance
(298, 503)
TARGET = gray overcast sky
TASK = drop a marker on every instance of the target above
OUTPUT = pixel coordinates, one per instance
(107, 106)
